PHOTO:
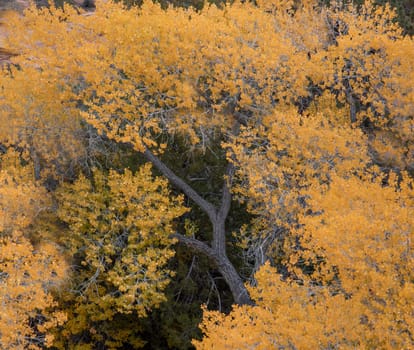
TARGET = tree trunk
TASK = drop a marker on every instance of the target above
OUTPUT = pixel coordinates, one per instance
(238, 289)
(217, 251)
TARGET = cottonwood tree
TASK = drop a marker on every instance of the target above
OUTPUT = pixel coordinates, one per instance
(208, 84)
(299, 98)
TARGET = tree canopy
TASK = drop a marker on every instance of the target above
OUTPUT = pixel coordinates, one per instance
(259, 152)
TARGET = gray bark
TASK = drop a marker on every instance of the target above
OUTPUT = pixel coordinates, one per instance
(217, 251)
(224, 265)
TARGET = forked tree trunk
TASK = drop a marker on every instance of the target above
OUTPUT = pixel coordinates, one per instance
(217, 251)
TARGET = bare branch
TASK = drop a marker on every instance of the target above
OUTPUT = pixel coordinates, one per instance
(197, 245)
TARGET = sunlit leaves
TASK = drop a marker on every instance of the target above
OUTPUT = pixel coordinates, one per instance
(361, 291)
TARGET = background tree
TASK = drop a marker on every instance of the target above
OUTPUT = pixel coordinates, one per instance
(120, 227)
(28, 272)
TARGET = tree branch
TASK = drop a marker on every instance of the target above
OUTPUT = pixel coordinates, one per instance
(206, 206)
(219, 225)
(197, 245)
(217, 251)
(226, 194)
(224, 265)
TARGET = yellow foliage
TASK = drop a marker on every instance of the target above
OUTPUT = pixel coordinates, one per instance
(21, 199)
(140, 72)
(361, 291)
(28, 273)
(27, 276)
(369, 65)
(288, 152)
(304, 98)
(144, 71)
(120, 228)
(33, 118)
